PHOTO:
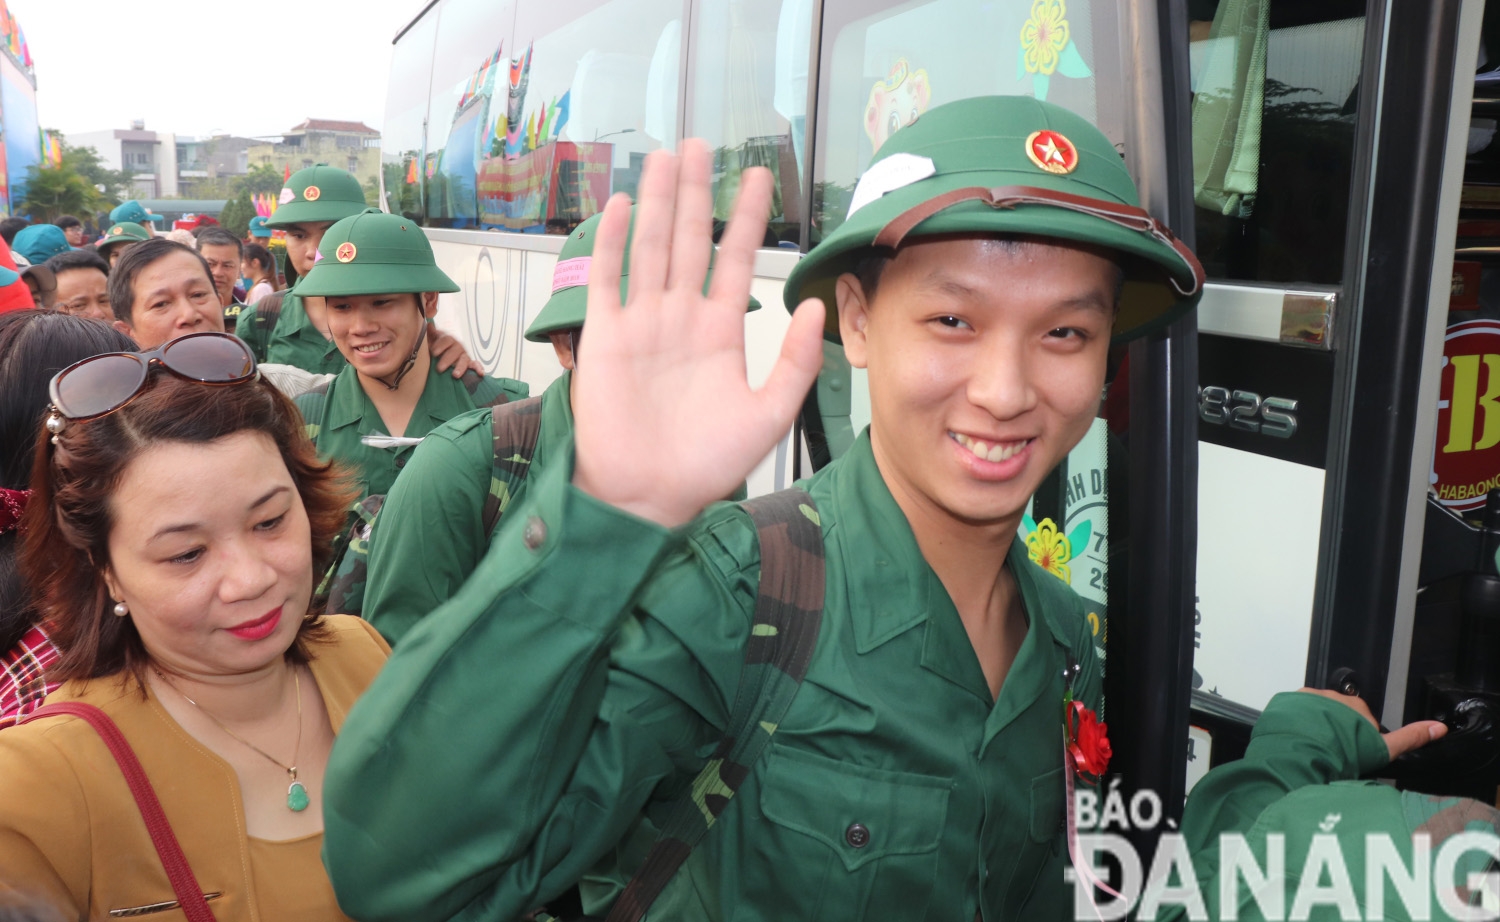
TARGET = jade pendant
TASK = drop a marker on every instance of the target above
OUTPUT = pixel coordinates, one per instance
(296, 797)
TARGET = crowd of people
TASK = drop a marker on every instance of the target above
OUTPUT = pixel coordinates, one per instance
(305, 617)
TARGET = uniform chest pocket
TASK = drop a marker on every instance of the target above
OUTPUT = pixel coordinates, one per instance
(861, 814)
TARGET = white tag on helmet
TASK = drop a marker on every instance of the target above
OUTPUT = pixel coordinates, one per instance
(890, 174)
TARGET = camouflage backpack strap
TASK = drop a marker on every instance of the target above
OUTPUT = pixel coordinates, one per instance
(783, 634)
(515, 426)
(342, 588)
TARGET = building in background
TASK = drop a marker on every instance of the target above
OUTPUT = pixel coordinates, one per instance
(227, 155)
(354, 146)
(149, 156)
(20, 132)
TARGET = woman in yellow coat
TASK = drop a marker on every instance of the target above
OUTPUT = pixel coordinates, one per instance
(176, 520)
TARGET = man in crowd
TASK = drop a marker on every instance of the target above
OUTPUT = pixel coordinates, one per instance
(288, 329)
(72, 229)
(136, 213)
(10, 227)
(82, 285)
(259, 232)
(40, 242)
(118, 238)
(223, 251)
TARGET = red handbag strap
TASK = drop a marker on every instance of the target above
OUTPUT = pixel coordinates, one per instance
(184, 884)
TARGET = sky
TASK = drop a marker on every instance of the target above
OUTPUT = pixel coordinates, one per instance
(205, 67)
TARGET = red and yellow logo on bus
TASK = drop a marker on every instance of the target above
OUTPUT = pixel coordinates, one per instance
(1466, 462)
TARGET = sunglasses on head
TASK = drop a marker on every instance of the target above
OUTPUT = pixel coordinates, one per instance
(102, 384)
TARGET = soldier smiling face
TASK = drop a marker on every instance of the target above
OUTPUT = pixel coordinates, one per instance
(986, 360)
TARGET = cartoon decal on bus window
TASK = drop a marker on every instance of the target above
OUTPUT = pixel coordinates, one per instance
(896, 101)
(1047, 47)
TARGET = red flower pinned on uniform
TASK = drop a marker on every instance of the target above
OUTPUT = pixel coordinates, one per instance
(1088, 742)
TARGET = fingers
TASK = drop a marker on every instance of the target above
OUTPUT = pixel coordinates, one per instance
(747, 228)
(608, 260)
(656, 203)
(1413, 736)
(692, 237)
(797, 367)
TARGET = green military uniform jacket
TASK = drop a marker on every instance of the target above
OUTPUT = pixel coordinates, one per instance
(338, 417)
(293, 341)
(585, 673)
(447, 482)
(1293, 784)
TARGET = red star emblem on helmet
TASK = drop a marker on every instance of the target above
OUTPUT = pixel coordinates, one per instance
(1052, 152)
(346, 252)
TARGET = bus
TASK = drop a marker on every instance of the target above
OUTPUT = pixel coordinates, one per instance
(1261, 503)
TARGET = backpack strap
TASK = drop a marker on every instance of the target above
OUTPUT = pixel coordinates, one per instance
(342, 588)
(783, 635)
(515, 427)
(184, 885)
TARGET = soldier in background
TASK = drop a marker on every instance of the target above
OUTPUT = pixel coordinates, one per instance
(287, 328)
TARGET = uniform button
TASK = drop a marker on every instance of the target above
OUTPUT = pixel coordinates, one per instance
(400, 463)
(535, 534)
(857, 835)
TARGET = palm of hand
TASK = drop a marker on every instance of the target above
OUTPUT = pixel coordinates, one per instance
(665, 418)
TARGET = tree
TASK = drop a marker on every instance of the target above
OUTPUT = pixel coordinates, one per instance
(262, 178)
(85, 162)
(237, 214)
(52, 192)
(74, 186)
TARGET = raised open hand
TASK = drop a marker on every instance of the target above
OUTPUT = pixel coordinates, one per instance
(665, 419)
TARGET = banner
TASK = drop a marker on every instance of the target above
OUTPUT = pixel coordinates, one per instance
(561, 183)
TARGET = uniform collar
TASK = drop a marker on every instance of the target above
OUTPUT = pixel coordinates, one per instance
(557, 417)
(443, 397)
(891, 588)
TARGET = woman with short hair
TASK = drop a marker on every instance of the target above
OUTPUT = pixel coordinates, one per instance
(177, 517)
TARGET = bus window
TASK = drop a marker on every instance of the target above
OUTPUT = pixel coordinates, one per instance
(885, 63)
(593, 87)
(401, 141)
(749, 100)
(1275, 87)
(470, 80)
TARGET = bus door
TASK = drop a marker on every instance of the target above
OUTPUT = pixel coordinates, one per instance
(1328, 149)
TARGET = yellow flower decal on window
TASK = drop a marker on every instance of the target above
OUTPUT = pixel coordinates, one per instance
(1050, 549)
(1045, 35)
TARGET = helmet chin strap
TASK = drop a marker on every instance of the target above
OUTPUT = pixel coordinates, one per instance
(411, 360)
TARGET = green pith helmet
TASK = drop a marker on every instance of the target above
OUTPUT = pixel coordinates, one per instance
(124, 232)
(566, 308)
(374, 253)
(318, 193)
(1007, 165)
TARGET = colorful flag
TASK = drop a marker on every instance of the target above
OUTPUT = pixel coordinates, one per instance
(287, 176)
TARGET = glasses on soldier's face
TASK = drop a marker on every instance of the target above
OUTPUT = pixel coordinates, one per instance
(102, 384)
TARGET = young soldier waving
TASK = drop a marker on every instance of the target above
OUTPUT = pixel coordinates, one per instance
(539, 726)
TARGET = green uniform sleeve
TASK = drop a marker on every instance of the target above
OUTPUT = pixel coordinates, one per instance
(1300, 740)
(429, 536)
(248, 328)
(516, 734)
